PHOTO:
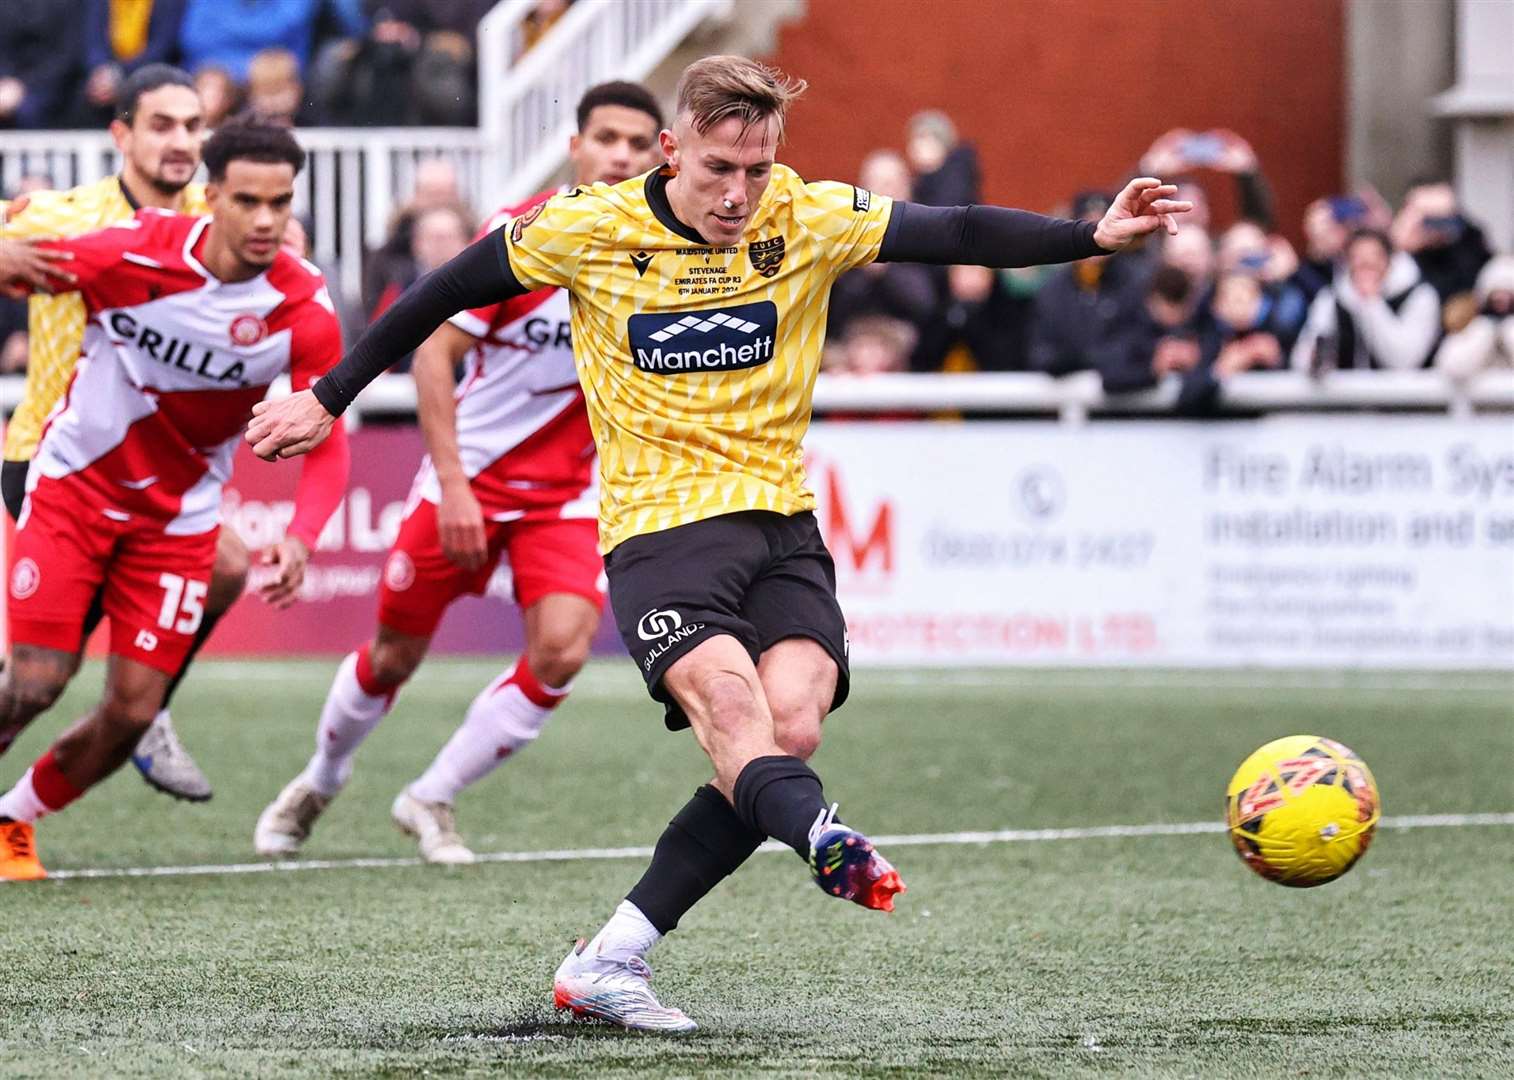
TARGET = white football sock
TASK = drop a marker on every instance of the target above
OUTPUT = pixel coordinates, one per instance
(21, 803)
(505, 716)
(627, 934)
(349, 714)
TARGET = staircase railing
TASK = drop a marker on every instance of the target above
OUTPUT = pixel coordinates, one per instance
(527, 96)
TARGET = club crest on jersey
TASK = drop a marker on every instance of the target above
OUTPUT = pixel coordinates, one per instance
(248, 330)
(766, 255)
(399, 572)
(524, 221)
(715, 339)
(25, 579)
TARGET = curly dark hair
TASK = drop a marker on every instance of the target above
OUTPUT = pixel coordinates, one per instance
(249, 139)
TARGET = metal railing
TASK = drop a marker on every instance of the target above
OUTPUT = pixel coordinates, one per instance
(1071, 398)
(357, 176)
(524, 99)
(354, 179)
(1074, 398)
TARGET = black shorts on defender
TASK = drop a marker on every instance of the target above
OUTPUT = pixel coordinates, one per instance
(756, 575)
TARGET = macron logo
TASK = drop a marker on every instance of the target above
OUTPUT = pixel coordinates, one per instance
(724, 339)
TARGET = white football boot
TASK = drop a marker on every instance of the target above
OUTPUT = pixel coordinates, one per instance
(286, 822)
(616, 991)
(433, 824)
(166, 765)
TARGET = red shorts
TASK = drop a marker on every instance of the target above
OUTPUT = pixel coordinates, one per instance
(68, 549)
(547, 555)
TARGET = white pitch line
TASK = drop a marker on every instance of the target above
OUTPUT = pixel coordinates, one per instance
(1001, 836)
(471, 670)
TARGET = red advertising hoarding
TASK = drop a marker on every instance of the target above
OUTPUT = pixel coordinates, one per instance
(337, 607)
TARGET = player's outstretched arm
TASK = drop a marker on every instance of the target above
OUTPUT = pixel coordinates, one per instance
(1001, 237)
(480, 275)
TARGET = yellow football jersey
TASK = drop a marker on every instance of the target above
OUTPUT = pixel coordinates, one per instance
(698, 363)
(55, 324)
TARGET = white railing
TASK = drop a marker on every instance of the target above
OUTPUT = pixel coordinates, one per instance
(525, 100)
(1071, 398)
(1074, 397)
(357, 176)
(354, 179)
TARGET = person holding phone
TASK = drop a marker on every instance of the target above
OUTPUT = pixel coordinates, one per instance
(1181, 152)
(1449, 249)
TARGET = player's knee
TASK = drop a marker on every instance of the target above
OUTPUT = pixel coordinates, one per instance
(32, 694)
(555, 660)
(128, 715)
(729, 701)
(394, 661)
(228, 577)
(797, 714)
(801, 738)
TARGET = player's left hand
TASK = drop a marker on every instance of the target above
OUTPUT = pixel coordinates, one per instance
(1145, 206)
(287, 428)
(288, 559)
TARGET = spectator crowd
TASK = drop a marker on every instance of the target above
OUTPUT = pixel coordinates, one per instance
(312, 62)
(1372, 288)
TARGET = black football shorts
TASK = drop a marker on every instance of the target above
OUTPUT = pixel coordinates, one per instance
(755, 575)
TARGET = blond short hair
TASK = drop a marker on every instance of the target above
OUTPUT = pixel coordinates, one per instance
(720, 87)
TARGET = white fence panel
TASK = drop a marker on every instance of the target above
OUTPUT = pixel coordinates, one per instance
(353, 180)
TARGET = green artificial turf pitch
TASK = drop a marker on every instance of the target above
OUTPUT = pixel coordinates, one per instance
(1146, 956)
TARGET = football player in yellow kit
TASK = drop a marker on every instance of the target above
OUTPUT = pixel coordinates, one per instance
(158, 128)
(699, 295)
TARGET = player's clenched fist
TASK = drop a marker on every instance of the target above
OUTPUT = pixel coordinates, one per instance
(290, 427)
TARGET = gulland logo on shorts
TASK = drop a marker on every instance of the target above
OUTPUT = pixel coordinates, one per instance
(667, 628)
(655, 624)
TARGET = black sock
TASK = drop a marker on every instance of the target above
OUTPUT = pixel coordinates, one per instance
(702, 846)
(202, 635)
(780, 796)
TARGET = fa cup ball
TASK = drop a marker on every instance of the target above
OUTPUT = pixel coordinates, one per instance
(1301, 810)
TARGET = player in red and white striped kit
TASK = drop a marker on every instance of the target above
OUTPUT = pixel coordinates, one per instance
(511, 472)
(190, 320)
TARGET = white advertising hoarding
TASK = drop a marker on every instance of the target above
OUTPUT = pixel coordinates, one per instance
(1339, 541)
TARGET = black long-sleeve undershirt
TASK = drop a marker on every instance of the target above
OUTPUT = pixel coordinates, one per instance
(946, 235)
(983, 236)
